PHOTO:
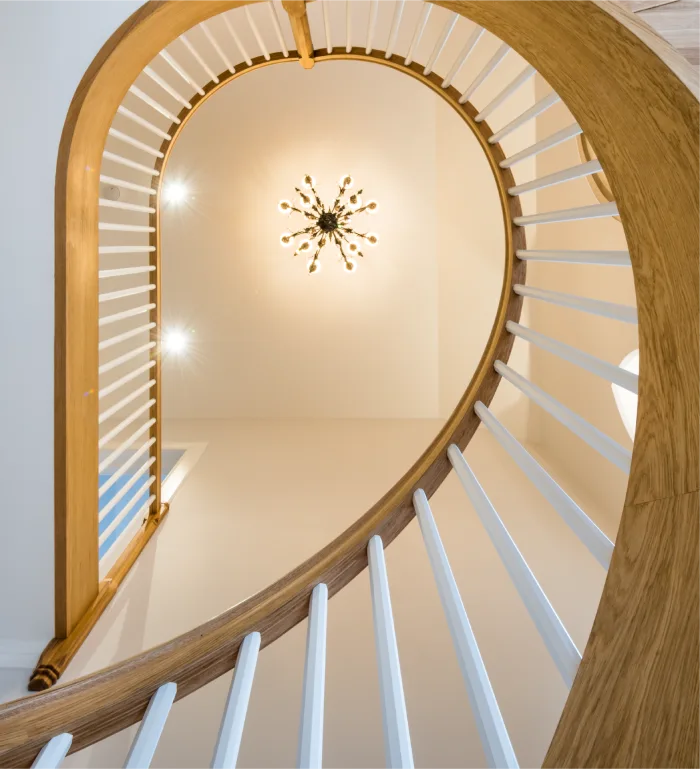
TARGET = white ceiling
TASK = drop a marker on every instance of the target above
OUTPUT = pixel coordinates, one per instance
(400, 336)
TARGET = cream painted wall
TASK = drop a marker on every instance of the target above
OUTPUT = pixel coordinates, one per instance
(360, 345)
(588, 395)
(264, 496)
(48, 45)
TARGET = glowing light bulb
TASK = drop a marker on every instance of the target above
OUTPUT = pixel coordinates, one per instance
(354, 202)
(372, 207)
(350, 265)
(353, 247)
(284, 206)
(175, 342)
(313, 265)
(175, 192)
(308, 181)
(372, 238)
(286, 239)
(346, 181)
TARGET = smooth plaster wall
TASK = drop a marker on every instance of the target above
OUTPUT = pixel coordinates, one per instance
(266, 495)
(45, 47)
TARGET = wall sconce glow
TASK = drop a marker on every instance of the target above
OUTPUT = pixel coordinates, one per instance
(175, 192)
(175, 342)
(330, 225)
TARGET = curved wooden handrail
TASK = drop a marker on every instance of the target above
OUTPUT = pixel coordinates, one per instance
(103, 703)
(634, 700)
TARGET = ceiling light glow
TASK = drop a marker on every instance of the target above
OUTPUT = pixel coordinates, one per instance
(175, 342)
(175, 192)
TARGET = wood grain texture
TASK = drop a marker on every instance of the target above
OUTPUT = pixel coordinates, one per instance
(60, 651)
(99, 705)
(625, 703)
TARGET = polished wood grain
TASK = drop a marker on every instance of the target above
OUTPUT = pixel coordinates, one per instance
(101, 704)
(60, 651)
(298, 18)
(75, 379)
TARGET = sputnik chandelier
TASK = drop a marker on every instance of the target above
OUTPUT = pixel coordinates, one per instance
(328, 225)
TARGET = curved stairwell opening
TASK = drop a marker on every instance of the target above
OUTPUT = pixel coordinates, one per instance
(598, 72)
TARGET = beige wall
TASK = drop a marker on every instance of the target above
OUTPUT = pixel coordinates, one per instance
(264, 496)
(588, 395)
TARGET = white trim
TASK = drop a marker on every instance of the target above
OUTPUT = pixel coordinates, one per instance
(183, 467)
(20, 654)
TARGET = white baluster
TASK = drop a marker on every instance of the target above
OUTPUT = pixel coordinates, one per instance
(609, 258)
(348, 27)
(584, 528)
(118, 273)
(199, 59)
(327, 25)
(610, 449)
(463, 56)
(311, 730)
(224, 58)
(575, 172)
(537, 109)
(597, 211)
(551, 141)
(621, 312)
(122, 514)
(508, 91)
(134, 142)
(126, 378)
(122, 161)
(237, 40)
(563, 650)
(52, 754)
(590, 363)
(489, 721)
(372, 24)
(112, 227)
(109, 296)
(110, 412)
(228, 742)
(105, 367)
(441, 42)
(425, 13)
(156, 78)
(278, 28)
(146, 99)
(104, 203)
(107, 461)
(127, 113)
(182, 72)
(126, 185)
(256, 32)
(125, 249)
(397, 739)
(489, 67)
(114, 477)
(394, 33)
(129, 420)
(146, 740)
(117, 316)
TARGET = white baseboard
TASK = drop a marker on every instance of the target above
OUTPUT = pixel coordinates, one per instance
(20, 654)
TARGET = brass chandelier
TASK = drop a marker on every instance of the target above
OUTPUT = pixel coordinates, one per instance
(328, 226)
